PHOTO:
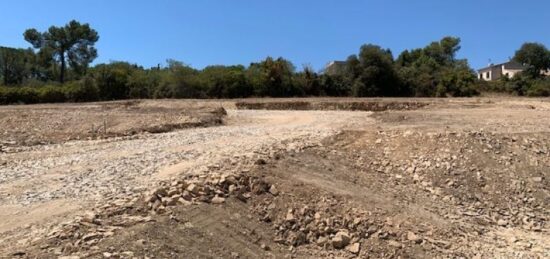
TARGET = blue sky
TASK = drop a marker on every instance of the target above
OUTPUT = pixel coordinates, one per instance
(205, 32)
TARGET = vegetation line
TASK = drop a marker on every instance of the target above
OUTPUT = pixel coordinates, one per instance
(57, 69)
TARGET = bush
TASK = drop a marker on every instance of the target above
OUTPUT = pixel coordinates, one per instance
(539, 88)
(51, 94)
(85, 90)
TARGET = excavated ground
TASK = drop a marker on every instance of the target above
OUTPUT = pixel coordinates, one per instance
(455, 178)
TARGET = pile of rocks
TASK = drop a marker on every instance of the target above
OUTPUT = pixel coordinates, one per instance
(213, 188)
(318, 224)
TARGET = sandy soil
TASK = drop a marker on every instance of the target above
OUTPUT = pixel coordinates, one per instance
(458, 178)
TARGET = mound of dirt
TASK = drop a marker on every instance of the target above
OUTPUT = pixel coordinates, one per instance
(370, 105)
(366, 194)
(44, 124)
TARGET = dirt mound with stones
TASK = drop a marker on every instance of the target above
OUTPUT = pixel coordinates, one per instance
(348, 105)
(44, 124)
(366, 194)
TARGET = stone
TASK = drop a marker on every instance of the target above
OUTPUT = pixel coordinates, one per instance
(161, 192)
(290, 216)
(273, 190)
(502, 222)
(354, 248)
(192, 188)
(341, 239)
(537, 179)
(395, 244)
(217, 200)
(413, 237)
(322, 240)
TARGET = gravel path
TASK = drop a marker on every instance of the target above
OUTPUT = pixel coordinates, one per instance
(83, 173)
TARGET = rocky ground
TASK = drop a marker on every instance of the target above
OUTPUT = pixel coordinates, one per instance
(459, 178)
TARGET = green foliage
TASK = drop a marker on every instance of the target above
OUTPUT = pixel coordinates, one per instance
(112, 80)
(434, 71)
(226, 82)
(64, 53)
(15, 65)
(535, 56)
(179, 81)
(539, 88)
(72, 43)
(273, 77)
(309, 83)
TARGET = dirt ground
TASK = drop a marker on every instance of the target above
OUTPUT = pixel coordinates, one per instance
(450, 178)
(57, 123)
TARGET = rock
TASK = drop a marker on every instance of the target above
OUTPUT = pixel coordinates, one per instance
(395, 244)
(290, 217)
(354, 248)
(161, 192)
(217, 200)
(192, 188)
(537, 179)
(273, 190)
(170, 201)
(341, 239)
(261, 161)
(265, 247)
(107, 255)
(322, 240)
(413, 237)
(502, 222)
(91, 236)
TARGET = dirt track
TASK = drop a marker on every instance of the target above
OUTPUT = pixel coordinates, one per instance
(458, 178)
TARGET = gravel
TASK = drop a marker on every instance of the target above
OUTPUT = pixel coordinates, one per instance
(105, 169)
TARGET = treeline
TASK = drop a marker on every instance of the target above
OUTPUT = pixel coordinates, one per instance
(57, 69)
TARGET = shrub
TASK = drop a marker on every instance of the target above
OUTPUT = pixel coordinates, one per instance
(539, 88)
(51, 94)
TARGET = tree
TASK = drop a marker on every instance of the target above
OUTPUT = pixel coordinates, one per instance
(535, 56)
(72, 43)
(435, 71)
(14, 65)
(309, 82)
(373, 72)
(273, 77)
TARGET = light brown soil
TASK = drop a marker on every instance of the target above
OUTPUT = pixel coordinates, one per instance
(57, 123)
(458, 178)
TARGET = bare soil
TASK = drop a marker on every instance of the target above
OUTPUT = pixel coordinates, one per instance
(455, 178)
(57, 123)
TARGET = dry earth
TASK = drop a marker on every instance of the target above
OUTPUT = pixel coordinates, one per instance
(445, 178)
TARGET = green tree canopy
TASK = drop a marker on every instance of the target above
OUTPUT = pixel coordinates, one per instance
(72, 43)
(15, 65)
(536, 56)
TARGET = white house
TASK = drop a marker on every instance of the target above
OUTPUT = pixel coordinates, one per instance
(494, 72)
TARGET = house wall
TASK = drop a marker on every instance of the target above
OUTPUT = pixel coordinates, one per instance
(490, 74)
(510, 72)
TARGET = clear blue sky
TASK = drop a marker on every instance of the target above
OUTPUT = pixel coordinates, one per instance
(204, 32)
